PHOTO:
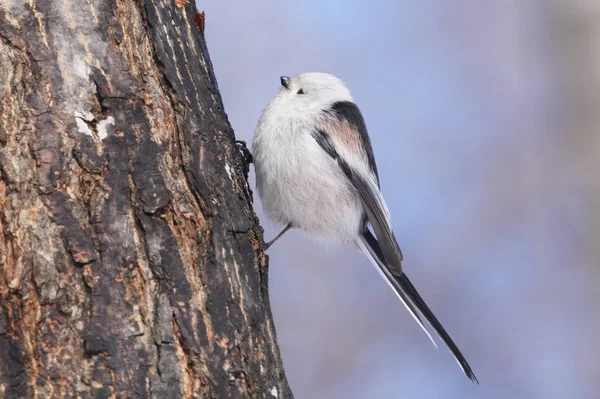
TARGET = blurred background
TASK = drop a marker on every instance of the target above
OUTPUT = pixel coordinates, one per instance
(485, 120)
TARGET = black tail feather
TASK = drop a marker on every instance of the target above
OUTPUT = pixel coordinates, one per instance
(436, 325)
(402, 284)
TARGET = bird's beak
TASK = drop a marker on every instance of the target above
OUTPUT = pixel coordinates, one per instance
(285, 82)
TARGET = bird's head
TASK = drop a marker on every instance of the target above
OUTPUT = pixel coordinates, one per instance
(309, 93)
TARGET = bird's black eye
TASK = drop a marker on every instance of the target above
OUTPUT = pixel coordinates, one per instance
(301, 91)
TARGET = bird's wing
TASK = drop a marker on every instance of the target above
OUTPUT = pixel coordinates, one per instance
(343, 135)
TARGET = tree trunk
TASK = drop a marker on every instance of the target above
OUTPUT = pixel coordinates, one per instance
(577, 55)
(131, 261)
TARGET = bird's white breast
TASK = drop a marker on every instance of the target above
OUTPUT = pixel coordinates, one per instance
(299, 183)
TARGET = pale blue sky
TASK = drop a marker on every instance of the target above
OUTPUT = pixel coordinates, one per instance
(462, 100)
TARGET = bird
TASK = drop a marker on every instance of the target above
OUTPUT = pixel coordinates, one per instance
(316, 172)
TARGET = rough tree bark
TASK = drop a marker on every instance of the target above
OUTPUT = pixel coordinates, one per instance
(131, 261)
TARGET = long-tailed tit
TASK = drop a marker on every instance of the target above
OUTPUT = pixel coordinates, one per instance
(315, 171)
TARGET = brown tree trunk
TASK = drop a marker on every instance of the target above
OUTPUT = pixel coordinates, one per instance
(577, 56)
(131, 261)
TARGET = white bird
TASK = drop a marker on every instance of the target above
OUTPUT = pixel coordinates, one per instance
(315, 171)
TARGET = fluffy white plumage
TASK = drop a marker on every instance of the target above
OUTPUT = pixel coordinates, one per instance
(315, 171)
(297, 182)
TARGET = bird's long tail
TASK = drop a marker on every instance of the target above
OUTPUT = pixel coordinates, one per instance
(411, 299)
